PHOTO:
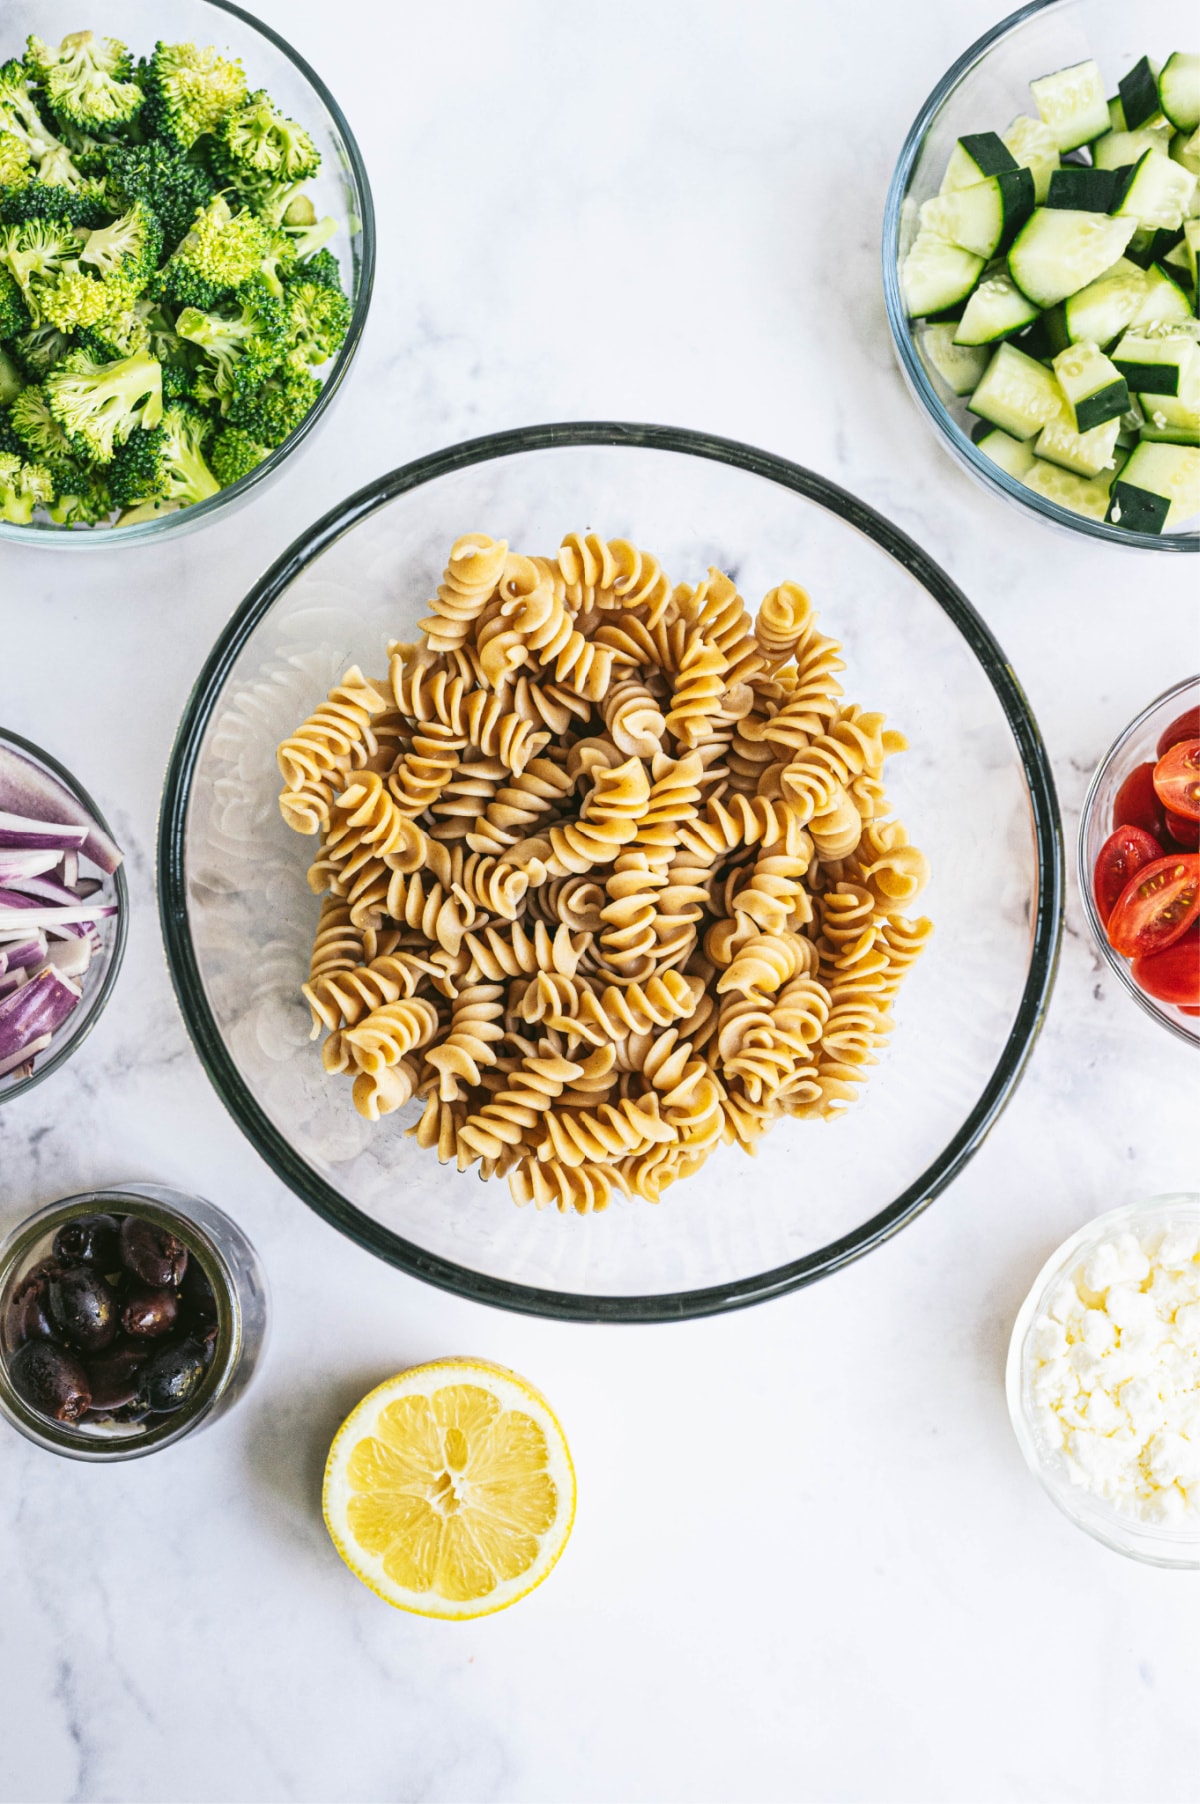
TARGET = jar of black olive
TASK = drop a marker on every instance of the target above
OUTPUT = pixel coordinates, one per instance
(128, 1319)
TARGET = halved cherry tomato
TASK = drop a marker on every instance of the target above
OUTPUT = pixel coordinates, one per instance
(1188, 1008)
(1184, 726)
(1177, 779)
(1173, 975)
(1122, 855)
(1156, 907)
(1182, 831)
(1137, 805)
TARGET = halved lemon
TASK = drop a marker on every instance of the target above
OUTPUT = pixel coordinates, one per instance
(449, 1489)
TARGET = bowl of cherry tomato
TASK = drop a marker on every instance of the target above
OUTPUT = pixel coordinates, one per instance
(1139, 859)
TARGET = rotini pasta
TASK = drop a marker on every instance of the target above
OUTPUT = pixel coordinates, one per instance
(607, 870)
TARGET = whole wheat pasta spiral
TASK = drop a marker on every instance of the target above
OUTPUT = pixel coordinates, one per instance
(608, 872)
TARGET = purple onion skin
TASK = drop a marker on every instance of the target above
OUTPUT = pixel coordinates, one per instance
(29, 791)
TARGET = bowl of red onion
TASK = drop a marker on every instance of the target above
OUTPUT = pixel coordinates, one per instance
(63, 914)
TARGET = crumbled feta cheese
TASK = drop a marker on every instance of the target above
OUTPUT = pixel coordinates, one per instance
(1113, 1372)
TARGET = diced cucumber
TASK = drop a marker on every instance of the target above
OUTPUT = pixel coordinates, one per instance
(1172, 471)
(1032, 144)
(937, 275)
(1017, 393)
(1177, 264)
(1010, 453)
(974, 158)
(1057, 252)
(1101, 311)
(1095, 389)
(1156, 192)
(1116, 115)
(1120, 150)
(1086, 453)
(1139, 94)
(1163, 300)
(1149, 244)
(1137, 510)
(959, 366)
(1156, 365)
(1179, 90)
(1081, 189)
(1185, 149)
(1172, 419)
(1078, 493)
(1131, 425)
(985, 217)
(1046, 337)
(1072, 103)
(1190, 246)
(996, 309)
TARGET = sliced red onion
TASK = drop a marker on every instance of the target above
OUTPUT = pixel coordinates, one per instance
(16, 867)
(71, 958)
(24, 949)
(17, 831)
(12, 980)
(70, 872)
(20, 1064)
(38, 1008)
(27, 790)
(54, 920)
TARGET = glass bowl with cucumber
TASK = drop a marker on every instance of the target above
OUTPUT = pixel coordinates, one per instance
(1040, 266)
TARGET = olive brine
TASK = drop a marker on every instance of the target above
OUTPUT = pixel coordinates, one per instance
(1056, 271)
(118, 1325)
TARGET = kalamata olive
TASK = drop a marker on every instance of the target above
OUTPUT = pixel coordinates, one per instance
(114, 1376)
(90, 1240)
(148, 1314)
(151, 1253)
(172, 1376)
(207, 1339)
(28, 1314)
(197, 1294)
(83, 1307)
(51, 1380)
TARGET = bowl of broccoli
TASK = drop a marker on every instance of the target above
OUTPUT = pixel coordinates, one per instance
(186, 257)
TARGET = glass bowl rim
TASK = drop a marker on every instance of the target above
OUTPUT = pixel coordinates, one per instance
(1059, 1490)
(61, 538)
(433, 1268)
(116, 954)
(1083, 874)
(904, 335)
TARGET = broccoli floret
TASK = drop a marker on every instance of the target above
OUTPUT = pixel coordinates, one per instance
(257, 137)
(76, 299)
(122, 332)
(308, 240)
(235, 452)
(14, 314)
(9, 442)
(11, 379)
(178, 383)
(271, 413)
(86, 79)
(39, 349)
(189, 91)
(318, 319)
(16, 160)
(86, 207)
(98, 405)
(222, 250)
(135, 472)
(42, 438)
(243, 344)
(35, 254)
(86, 502)
(172, 184)
(166, 463)
(323, 268)
(87, 152)
(23, 487)
(127, 250)
(19, 115)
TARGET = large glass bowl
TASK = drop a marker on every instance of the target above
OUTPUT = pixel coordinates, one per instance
(340, 189)
(975, 792)
(101, 975)
(1136, 745)
(983, 91)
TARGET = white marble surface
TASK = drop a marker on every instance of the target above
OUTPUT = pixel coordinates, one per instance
(809, 1563)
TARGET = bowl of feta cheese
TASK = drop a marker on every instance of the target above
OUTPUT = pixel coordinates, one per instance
(1103, 1379)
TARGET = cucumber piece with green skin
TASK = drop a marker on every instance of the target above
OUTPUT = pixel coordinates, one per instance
(1149, 245)
(1177, 264)
(1121, 150)
(1155, 366)
(959, 366)
(1012, 455)
(1085, 453)
(1137, 510)
(974, 158)
(1102, 310)
(937, 275)
(1080, 494)
(1179, 90)
(1095, 389)
(1046, 337)
(1171, 419)
(1057, 252)
(1163, 301)
(1139, 94)
(1072, 103)
(1185, 149)
(1116, 115)
(1082, 190)
(1156, 192)
(1172, 471)
(1017, 393)
(985, 217)
(1033, 146)
(995, 310)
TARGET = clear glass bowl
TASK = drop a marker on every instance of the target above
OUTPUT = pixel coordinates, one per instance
(340, 189)
(1135, 746)
(1146, 1541)
(101, 974)
(983, 91)
(975, 792)
(231, 1266)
